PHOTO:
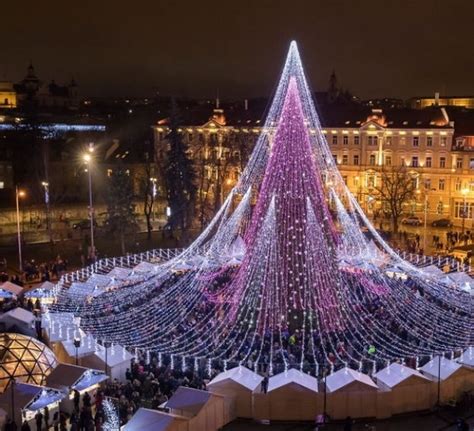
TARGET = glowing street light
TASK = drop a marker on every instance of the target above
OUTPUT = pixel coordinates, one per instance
(19, 194)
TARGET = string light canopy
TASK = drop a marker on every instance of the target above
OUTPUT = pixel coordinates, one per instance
(292, 281)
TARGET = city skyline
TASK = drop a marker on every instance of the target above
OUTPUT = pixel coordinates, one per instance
(205, 49)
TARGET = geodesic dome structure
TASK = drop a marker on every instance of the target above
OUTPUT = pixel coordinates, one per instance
(24, 358)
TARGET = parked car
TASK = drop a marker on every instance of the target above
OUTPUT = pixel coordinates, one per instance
(83, 224)
(412, 221)
(442, 222)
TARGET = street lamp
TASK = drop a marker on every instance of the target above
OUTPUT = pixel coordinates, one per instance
(88, 159)
(464, 209)
(19, 194)
(154, 192)
(46, 202)
(77, 344)
(425, 211)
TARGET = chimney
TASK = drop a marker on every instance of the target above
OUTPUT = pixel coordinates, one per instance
(436, 98)
(246, 104)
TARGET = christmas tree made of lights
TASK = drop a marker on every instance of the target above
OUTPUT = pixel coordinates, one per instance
(283, 283)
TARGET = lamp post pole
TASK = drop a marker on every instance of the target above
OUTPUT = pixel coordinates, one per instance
(13, 398)
(88, 159)
(18, 193)
(46, 202)
(325, 397)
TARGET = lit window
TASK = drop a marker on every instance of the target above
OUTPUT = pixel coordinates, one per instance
(2, 185)
(459, 162)
(388, 140)
(444, 140)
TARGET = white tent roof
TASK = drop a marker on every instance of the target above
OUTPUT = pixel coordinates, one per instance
(19, 314)
(84, 289)
(144, 267)
(346, 376)
(467, 357)
(88, 346)
(119, 273)
(182, 266)
(12, 288)
(189, 400)
(396, 373)
(241, 375)
(461, 277)
(99, 280)
(44, 289)
(150, 420)
(432, 270)
(447, 368)
(293, 376)
(115, 355)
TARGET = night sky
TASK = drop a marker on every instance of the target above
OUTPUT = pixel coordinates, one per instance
(195, 48)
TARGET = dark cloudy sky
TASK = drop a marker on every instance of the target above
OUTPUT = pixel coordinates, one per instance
(378, 48)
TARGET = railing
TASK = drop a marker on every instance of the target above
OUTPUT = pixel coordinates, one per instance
(422, 260)
(106, 264)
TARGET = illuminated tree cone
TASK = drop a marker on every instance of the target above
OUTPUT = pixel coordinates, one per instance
(291, 262)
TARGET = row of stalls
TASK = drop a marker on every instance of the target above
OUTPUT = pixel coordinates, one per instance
(31, 379)
(71, 345)
(296, 396)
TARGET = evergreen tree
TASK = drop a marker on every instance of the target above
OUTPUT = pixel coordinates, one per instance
(179, 176)
(121, 216)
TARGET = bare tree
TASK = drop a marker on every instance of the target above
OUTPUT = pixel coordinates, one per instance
(148, 186)
(397, 188)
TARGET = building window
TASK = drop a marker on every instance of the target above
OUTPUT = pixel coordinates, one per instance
(402, 161)
(372, 160)
(371, 181)
(444, 140)
(2, 185)
(345, 159)
(334, 156)
(429, 141)
(442, 162)
(459, 162)
(345, 140)
(416, 141)
(441, 184)
(388, 160)
(345, 179)
(428, 184)
(388, 140)
(458, 185)
(373, 140)
(356, 160)
(463, 209)
(428, 162)
(414, 161)
(356, 140)
(334, 139)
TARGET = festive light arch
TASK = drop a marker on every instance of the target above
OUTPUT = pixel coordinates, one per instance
(285, 283)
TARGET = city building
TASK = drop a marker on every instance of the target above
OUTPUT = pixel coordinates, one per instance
(437, 100)
(365, 142)
(7, 95)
